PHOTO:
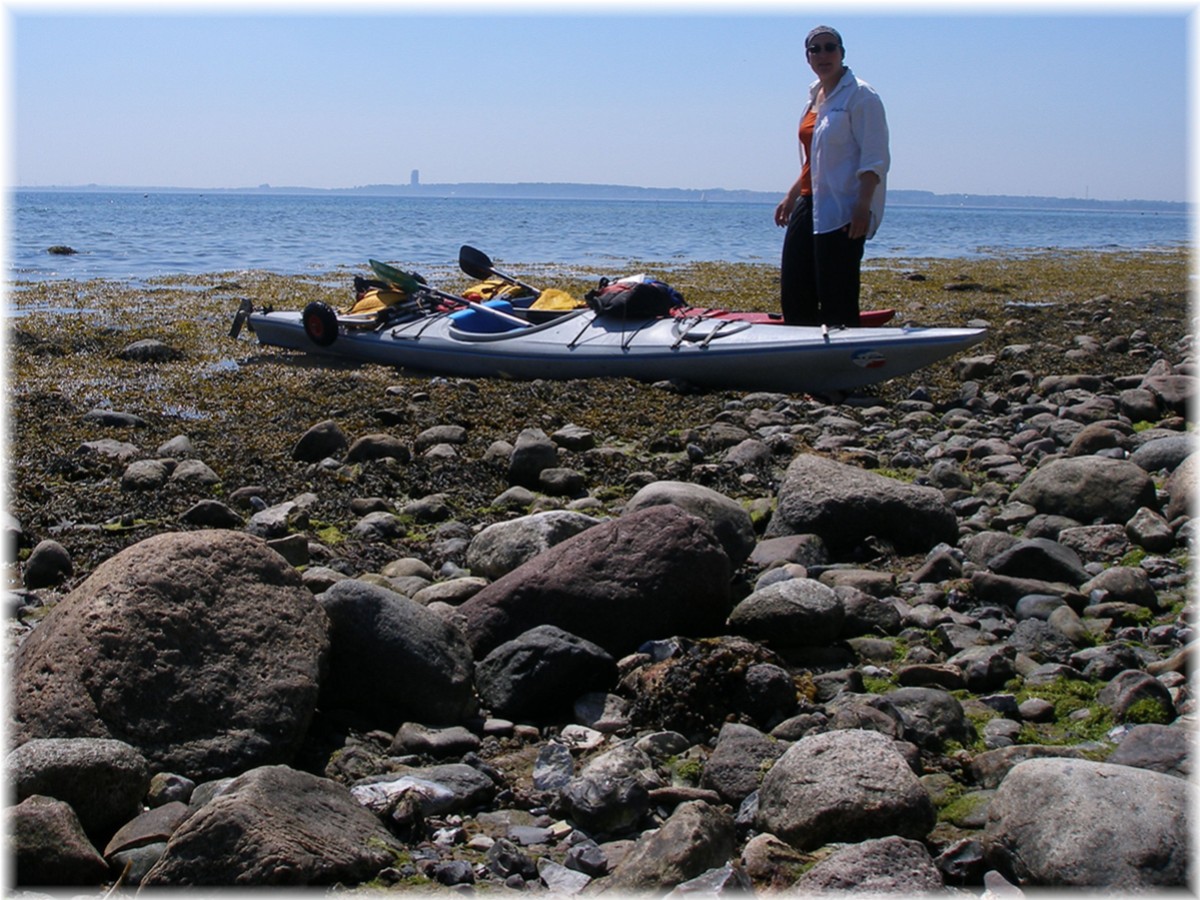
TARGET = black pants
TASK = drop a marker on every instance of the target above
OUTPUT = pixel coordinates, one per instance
(819, 273)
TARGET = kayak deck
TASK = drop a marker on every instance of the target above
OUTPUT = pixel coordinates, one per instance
(710, 352)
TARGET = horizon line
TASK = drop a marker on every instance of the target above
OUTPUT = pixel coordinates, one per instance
(428, 186)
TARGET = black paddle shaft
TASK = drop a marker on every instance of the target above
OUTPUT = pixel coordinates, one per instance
(478, 264)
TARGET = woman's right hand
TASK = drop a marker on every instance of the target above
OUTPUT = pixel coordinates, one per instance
(783, 211)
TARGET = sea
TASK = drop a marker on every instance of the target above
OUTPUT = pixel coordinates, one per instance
(136, 236)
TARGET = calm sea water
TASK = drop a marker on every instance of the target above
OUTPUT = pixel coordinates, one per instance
(136, 236)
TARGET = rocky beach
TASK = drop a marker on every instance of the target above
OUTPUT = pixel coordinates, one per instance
(279, 622)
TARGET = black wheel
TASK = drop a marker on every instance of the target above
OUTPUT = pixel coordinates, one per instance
(320, 323)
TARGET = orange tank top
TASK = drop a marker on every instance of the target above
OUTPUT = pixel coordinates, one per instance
(807, 124)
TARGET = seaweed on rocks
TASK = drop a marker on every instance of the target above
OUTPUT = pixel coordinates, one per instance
(1058, 321)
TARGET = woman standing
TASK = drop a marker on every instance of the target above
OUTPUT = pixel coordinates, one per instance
(837, 202)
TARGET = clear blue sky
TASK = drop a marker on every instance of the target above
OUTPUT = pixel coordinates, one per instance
(1081, 102)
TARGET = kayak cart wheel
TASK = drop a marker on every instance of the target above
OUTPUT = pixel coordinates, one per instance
(320, 323)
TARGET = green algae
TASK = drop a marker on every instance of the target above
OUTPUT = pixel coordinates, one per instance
(244, 406)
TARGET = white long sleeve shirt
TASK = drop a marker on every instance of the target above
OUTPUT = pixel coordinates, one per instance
(850, 137)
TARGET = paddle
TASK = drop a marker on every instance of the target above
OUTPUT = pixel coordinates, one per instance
(478, 264)
(410, 285)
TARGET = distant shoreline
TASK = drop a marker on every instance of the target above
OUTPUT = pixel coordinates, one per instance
(577, 191)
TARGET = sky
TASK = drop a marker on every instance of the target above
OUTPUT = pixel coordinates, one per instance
(1081, 101)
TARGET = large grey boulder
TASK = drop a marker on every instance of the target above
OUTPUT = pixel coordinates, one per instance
(796, 612)
(502, 546)
(1042, 559)
(845, 505)
(1074, 823)
(538, 674)
(322, 440)
(391, 659)
(1181, 487)
(730, 521)
(647, 575)
(1165, 452)
(611, 793)
(103, 780)
(695, 838)
(1088, 489)
(843, 786)
(891, 865)
(376, 446)
(1160, 748)
(931, 716)
(1175, 391)
(203, 650)
(49, 563)
(275, 826)
(532, 452)
(734, 768)
(48, 847)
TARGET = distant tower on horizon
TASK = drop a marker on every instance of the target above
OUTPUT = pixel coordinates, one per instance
(415, 178)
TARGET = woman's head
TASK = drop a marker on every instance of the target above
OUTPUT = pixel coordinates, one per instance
(824, 50)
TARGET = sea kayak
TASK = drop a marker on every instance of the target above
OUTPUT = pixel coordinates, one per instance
(489, 341)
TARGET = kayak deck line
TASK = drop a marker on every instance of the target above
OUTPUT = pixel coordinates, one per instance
(708, 352)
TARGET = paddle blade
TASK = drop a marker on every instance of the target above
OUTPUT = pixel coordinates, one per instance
(475, 263)
(392, 275)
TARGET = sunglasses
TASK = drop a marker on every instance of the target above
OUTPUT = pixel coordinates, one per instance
(828, 47)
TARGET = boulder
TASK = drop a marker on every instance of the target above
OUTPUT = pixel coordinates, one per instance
(149, 350)
(194, 472)
(845, 505)
(729, 520)
(203, 650)
(736, 764)
(1160, 748)
(1072, 823)
(1165, 452)
(1175, 392)
(146, 474)
(1134, 693)
(1041, 559)
(378, 446)
(844, 786)
(611, 794)
(883, 866)
(1181, 487)
(278, 827)
(153, 826)
(440, 789)
(695, 838)
(439, 434)
(49, 563)
(325, 439)
(48, 846)
(1088, 489)
(647, 575)
(1121, 584)
(539, 674)
(103, 780)
(797, 612)
(413, 737)
(532, 453)
(501, 547)
(694, 686)
(391, 659)
(931, 716)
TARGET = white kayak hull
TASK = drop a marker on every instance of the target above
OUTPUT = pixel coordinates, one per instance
(705, 352)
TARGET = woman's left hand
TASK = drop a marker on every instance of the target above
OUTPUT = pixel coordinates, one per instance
(860, 221)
